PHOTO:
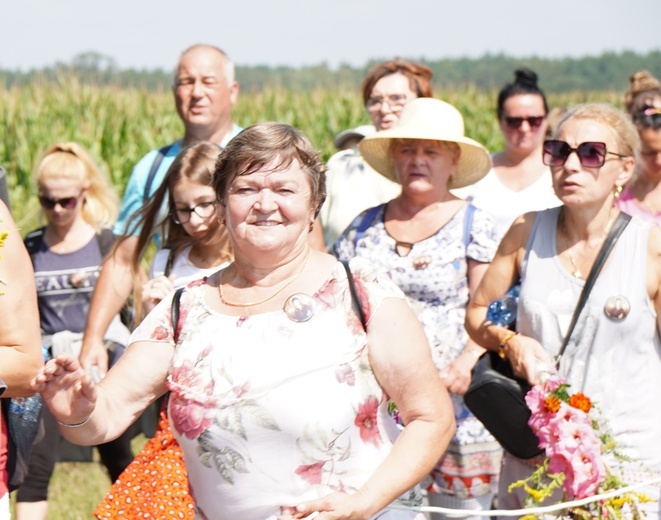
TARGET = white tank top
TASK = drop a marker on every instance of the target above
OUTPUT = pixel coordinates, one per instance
(616, 363)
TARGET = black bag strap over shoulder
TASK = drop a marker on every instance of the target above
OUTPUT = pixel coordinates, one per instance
(355, 299)
(174, 312)
(609, 242)
(160, 155)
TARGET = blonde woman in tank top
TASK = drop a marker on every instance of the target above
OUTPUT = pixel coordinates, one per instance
(614, 355)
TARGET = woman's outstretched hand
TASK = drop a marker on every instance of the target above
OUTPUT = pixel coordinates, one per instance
(336, 506)
(67, 389)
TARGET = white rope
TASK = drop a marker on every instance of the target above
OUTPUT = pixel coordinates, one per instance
(460, 513)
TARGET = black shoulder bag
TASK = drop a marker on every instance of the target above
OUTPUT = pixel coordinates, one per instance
(496, 397)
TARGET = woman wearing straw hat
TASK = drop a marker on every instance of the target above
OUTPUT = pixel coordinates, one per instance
(436, 248)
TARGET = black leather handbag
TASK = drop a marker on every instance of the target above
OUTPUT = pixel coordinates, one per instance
(496, 397)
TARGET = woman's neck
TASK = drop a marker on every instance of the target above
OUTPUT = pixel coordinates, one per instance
(65, 238)
(647, 191)
(407, 206)
(589, 224)
(210, 254)
(264, 270)
(518, 171)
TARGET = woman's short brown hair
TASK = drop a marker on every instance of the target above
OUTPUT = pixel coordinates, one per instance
(419, 76)
(263, 143)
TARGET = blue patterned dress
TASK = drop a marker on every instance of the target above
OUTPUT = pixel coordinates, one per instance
(433, 276)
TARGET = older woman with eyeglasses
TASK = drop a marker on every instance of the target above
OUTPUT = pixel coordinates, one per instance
(642, 197)
(519, 181)
(352, 185)
(614, 354)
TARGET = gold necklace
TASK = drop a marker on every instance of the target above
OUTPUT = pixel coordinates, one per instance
(252, 304)
(577, 269)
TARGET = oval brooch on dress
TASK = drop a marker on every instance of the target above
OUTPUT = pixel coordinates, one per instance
(617, 307)
(421, 262)
(300, 307)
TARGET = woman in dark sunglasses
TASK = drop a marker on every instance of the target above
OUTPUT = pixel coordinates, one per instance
(519, 182)
(642, 197)
(80, 205)
(614, 352)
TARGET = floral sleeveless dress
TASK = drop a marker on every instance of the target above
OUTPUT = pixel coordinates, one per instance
(434, 280)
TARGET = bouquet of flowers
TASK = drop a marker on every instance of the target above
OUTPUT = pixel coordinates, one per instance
(576, 440)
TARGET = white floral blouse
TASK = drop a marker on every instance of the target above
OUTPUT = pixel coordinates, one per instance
(269, 411)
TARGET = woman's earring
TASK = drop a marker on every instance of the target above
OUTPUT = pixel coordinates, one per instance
(617, 191)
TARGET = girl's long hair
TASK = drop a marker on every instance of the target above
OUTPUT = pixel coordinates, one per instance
(194, 163)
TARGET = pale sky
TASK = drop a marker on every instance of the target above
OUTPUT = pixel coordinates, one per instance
(150, 34)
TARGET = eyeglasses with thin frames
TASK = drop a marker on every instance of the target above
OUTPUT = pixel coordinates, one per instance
(394, 101)
(202, 210)
(591, 154)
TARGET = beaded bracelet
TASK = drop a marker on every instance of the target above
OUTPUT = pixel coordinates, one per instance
(76, 425)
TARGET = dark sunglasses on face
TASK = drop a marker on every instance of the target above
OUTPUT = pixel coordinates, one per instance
(65, 203)
(592, 154)
(514, 123)
(203, 210)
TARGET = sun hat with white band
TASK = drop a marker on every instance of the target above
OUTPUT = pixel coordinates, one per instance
(428, 119)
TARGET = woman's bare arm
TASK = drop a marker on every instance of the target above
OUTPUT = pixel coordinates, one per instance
(20, 335)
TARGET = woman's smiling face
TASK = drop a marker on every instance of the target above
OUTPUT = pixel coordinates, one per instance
(269, 209)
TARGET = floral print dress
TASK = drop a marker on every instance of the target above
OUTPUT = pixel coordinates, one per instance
(433, 276)
(271, 412)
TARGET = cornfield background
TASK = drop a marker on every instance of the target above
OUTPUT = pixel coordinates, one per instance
(118, 126)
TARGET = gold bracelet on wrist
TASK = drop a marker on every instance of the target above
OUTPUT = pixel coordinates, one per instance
(503, 344)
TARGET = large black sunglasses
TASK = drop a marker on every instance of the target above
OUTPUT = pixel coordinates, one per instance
(514, 123)
(65, 202)
(592, 154)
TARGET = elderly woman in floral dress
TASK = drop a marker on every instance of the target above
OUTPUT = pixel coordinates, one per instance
(279, 390)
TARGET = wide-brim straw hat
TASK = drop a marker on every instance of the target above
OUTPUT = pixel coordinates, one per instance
(428, 119)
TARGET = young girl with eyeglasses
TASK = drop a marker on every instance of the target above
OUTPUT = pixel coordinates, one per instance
(195, 241)
(642, 197)
(79, 205)
(519, 181)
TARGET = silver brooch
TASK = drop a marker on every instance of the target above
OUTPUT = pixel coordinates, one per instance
(617, 307)
(300, 307)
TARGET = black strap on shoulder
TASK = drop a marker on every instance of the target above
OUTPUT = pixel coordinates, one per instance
(355, 299)
(160, 155)
(169, 263)
(618, 227)
(105, 239)
(33, 240)
(174, 312)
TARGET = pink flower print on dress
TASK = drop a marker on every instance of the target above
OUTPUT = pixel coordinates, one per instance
(345, 374)
(366, 421)
(311, 472)
(160, 333)
(191, 417)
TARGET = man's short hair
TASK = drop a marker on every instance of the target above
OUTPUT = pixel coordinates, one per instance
(229, 69)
